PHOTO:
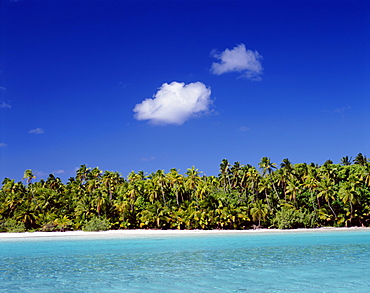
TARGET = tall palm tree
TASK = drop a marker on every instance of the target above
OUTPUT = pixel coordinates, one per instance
(235, 174)
(264, 186)
(224, 175)
(176, 181)
(29, 175)
(192, 180)
(311, 181)
(253, 179)
(111, 180)
(267, 168)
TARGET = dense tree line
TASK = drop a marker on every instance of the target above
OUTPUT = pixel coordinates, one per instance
(240, 197)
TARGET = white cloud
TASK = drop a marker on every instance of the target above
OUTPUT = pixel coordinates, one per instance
(5, 105)
(40, 174)
(147, 159)
(37, 131)
(244, 128)
(174, 103)
(338, 110)
(3, 145)
(238, 59)
(341, 110)
(58, 172)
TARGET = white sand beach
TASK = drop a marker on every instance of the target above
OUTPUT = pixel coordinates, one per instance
(141, 232)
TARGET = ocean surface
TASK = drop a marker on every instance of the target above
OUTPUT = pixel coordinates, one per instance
(312, 261)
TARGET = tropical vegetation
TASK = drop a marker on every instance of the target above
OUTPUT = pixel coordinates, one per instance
(240, 197)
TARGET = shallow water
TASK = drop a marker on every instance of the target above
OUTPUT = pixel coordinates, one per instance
(329, 261)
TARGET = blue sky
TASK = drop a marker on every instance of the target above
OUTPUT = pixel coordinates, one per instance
(208, 80)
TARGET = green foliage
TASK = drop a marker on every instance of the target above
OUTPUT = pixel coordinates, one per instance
(49, 227)
(97, 224)
(12, 226)
(241, 196)
(290, 218)
(62, 223)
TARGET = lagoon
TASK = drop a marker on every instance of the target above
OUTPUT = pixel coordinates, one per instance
(284, 261)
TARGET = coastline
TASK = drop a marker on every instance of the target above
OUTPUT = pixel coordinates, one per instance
(141, 232)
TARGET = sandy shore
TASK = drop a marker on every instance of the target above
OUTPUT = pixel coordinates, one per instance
(131, 233)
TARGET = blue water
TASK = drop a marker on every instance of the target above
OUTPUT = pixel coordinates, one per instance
(326, 261)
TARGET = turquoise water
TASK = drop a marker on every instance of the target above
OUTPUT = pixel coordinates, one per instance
(326, 261)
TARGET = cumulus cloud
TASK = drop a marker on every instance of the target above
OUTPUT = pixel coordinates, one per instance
(238, 59)
(174, 103)
(3, 145)
(5, 105)
(37, 131)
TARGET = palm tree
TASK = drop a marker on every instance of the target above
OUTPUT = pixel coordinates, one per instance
(266, 165)
(160, 179)
(192, 180)
(176, 181)
(224, 175)
(349, 192)
(267, 168)
(311, 181)
(365, 174)
(235, 173)
(203, 189)
(264, 186)
(111, 180)
(82, 173)
(253, 179)
(63, 223)
(360, 159)
(95, 174)
(286, 164)
(259, 211)
(293, 188)
(346, 161)
(285, 173)
(29, 175)
(327, 191)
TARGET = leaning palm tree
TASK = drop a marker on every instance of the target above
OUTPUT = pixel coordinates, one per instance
(327, 191)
